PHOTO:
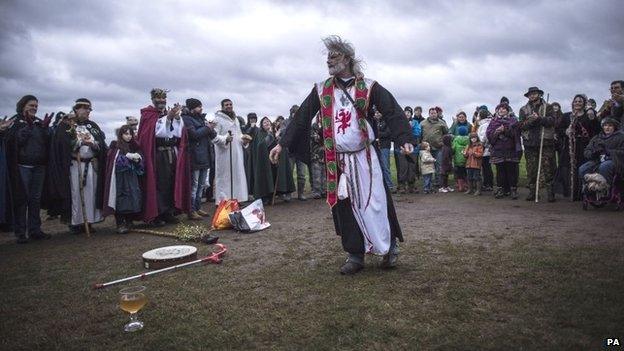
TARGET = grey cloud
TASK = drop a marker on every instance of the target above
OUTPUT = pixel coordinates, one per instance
(266, 55)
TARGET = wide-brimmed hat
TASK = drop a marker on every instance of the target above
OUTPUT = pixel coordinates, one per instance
(534, 90)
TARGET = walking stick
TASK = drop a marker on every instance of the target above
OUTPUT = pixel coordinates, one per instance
(572, 154)
(275, 187)
(215, 257)
(231, 169)
(539, 159)
(82, 200)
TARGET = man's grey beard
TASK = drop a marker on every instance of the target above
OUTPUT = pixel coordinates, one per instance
(337, 68)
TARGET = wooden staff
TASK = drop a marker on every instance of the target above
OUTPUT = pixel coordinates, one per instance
(275, 187)
(539, 159)
(215, 257)
(572, 152)
(231, 168)
(82, 200)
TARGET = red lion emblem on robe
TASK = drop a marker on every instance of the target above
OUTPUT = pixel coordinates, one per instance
(343, 118)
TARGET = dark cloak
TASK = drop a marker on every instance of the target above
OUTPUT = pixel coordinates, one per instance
(262, 168)
(61, 155)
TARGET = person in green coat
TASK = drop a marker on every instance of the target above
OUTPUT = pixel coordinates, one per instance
(460, 143)
(283, 170)
(259, 155)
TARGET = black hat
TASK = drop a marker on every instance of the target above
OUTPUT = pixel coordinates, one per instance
(192, 103)
(533, 90)
(504, 99)
(252, 115)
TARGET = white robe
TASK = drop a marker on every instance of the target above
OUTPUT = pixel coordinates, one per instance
(355, 181)
(93, 214)
(223, 188)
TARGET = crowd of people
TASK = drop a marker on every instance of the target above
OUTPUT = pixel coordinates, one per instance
(572, 144)
(165, 163)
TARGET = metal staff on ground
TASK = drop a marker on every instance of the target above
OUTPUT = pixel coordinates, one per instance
(539, 159)
(215, 257)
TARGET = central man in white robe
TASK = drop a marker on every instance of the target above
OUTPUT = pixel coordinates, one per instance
(230, 180)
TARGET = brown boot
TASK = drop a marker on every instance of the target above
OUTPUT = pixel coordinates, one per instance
(195, 216)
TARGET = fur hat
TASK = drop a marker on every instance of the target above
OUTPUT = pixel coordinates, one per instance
(158, 93)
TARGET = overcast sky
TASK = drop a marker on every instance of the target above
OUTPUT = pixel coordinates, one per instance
(265, 55)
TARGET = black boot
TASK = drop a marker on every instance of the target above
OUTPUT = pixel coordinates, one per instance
(551, 193)
(531, 196)
(514, 193)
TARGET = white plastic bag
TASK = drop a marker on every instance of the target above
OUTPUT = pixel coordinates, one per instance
(251, 218)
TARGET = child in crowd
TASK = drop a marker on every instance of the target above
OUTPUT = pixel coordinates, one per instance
(446, 164)
(460, 142)
(122, 191)
(427, 166)
(474, 157)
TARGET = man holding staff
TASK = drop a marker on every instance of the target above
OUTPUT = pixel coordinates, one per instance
(361, 204)
(230, 179)
(536, 122)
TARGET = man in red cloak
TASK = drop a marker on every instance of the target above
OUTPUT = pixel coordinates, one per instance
(163, 140)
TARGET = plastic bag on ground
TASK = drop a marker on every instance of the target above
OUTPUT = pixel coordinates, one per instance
(250, 219)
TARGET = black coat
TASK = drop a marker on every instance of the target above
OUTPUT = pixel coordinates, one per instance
(199, 139)
(610, 147)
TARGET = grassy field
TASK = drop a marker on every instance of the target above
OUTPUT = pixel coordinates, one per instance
(279, 289)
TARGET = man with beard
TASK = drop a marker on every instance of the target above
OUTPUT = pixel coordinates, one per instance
(78, 148)
(361, 204)
(614, 107)
(163, 143)
(230, 178)
(537, 116)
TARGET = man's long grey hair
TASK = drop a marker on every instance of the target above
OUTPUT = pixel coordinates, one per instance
(334, 43)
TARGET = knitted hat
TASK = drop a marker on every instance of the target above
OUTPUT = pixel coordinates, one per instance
(462, 130)
(192, 103)
(407, 108)
(252, 115)
(609, 120)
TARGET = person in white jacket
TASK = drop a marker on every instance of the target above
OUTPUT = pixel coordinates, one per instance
(230, 180)
(484, 119)
(427, 166)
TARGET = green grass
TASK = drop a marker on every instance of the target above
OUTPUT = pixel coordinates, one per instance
(443, 296)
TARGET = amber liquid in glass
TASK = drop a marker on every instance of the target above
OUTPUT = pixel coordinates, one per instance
(132, 303)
